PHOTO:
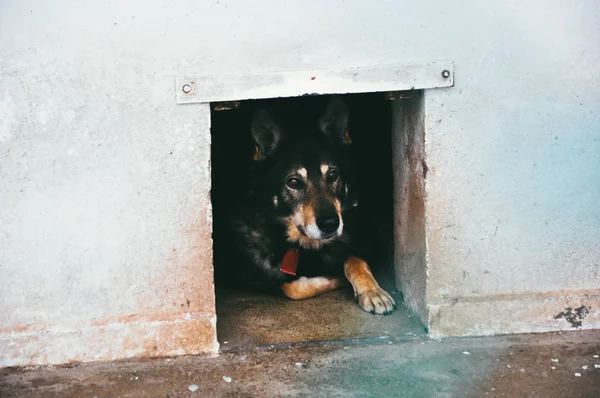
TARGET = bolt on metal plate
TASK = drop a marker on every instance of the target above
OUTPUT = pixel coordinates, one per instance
(185, 90)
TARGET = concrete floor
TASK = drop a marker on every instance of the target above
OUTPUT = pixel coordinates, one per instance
(543, 365)
(249, 319)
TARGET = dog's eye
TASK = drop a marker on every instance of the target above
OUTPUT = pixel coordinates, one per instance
(332, 176)
(294, 183)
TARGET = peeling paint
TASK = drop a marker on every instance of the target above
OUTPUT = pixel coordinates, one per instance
(574, 316)
(527, 313)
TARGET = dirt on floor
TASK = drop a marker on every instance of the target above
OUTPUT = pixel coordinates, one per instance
(249, 319)
(542, 365)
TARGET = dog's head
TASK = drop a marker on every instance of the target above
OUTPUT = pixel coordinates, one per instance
(304, 173)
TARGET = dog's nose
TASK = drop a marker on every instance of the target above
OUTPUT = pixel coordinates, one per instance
(328, 224)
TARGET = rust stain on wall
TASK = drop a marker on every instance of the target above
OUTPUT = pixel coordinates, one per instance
(176, 310)
(189, 295)
(193, 334)
(410, 170)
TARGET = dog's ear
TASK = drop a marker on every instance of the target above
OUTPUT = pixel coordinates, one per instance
(266, 134)
(334, 123)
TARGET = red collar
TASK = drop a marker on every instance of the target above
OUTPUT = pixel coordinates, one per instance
(289, 264)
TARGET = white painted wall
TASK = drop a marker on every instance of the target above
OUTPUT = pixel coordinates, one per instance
(93, 202)
(513, 212)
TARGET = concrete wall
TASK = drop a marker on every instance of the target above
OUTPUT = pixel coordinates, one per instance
(513, 189)
(410, 171)
(105, 211)
(104, 181)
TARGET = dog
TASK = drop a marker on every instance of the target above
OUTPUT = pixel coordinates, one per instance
(290, 228)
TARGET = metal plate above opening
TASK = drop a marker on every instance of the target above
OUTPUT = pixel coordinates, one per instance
(190, 90)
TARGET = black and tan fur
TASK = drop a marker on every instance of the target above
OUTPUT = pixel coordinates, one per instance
(298, 193)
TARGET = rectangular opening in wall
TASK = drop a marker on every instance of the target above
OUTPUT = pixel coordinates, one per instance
(254, 201)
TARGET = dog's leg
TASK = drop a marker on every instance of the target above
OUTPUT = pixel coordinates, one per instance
(304, 288)
(371, 297)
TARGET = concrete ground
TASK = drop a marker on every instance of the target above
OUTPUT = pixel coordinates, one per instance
(249, 319)
(544, 365)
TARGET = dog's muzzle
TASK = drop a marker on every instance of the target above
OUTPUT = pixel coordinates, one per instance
(325, 228)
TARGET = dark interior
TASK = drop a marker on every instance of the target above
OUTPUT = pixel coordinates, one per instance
(245, 318)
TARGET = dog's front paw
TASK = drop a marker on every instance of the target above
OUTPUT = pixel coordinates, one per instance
(376, 301)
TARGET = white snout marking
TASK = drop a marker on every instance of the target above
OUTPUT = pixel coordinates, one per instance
(313, 231)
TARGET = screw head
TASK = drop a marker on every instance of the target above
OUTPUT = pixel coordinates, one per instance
(445, 73)
(186, 88)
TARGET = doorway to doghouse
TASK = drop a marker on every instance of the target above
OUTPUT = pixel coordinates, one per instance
(246, 318)
(387, 123)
